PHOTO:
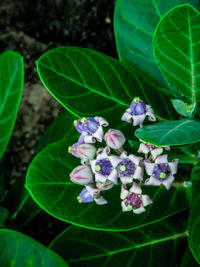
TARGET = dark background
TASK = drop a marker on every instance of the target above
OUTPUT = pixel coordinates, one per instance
(32, 27)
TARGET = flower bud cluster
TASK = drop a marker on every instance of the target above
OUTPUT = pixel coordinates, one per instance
(105, 167)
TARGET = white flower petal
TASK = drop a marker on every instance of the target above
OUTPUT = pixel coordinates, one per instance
(124, 207)
(92, 190)
(166, 147)
(139, 210)
(101, 121)
(124, 155)
(143, 149)
(124, 192)
(126, 117)
(146, 200)
(162, 159)
(168, 181)
(152, 181)
(100, 178)
(114, 160)
(150, 113)
(101, 200)
(126, 180)
(173, 165)
(135, 188)
(99, 134)
(92, 163)
(113, 176)
(138, 174)
(136, 160)
(138, 119)
(149, 167)
(89, 139)
(156, 152)
(102, 154)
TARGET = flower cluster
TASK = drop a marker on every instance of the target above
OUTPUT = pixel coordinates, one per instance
(105, 167)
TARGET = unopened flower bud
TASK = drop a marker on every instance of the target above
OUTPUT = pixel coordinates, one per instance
(81, 175)
(104, 186)
(114, 139)
(83, 151)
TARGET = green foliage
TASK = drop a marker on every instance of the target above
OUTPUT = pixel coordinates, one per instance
(134, 23)
(156, 245)
(176, 46)
(17, 249)
(188, 260)
(11, 85)
(194, 219)
(170, 133)
(49, 184)
(4, 213)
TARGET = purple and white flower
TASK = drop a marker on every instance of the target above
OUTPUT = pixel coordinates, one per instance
(129, 168)
(104, 166)
(133, 199)
(137, 112)
(161, 172)
(114, 139)
(89, 194)
(91, 129)
(83, 151)
(82, 175)
(155, 151)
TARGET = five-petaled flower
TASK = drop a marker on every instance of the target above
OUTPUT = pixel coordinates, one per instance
(133, 199)
(104, 166)
(89, 194)
(91, 129)
(161, 172)
(155, 151)
(137, 112)
(129, 168)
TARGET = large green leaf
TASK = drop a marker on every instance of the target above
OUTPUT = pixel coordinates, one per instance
(188, 260)
(89, 83)
(160, 244)
(17, 249)
(170, 133)
(11, 85)
(135, 22)
(176, 46)
(49, 184)
(194, 219)
(3, 215)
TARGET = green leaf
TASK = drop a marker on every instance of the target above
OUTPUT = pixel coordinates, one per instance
(11, 85)
(17, 249)
(188, 260)
(49, 184)
(4, 213)
(159, 244)
(134, 23)
(170, 133)
(88, 83)
(176, 47)
(180, 106)
(194, 219)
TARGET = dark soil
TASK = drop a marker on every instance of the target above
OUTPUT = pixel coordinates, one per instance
(31, 28)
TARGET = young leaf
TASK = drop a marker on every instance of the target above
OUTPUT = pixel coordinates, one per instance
(134, 23)
(17, 249)
(176, 47)
(159, 244)
(11, 85)
(89, 83)
(49, 184)
(194, 219)
(170, 133)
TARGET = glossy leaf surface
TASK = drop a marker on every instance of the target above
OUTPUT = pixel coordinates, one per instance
(160, 244)
(49, 184)
(89, 83)
(170, 133)
(11, 85)
(194, 219)
(134, 23)
(177, 45)
(188, 260)
(17, 249)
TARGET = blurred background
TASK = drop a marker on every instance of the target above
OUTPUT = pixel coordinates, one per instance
(32, 27)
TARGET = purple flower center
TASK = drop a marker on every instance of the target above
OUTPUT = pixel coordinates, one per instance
(138, 108)
(134, 200)
(85, 197)
(161, 171)
(90, 126)
(126, 168)
(104, 167)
